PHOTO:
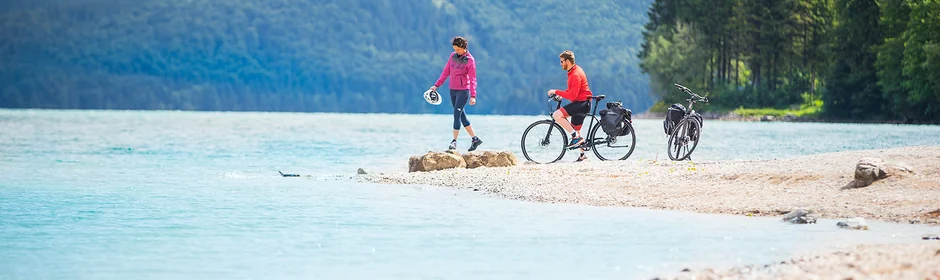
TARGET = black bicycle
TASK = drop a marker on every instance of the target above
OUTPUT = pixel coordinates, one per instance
(544, 141)
(685, 133)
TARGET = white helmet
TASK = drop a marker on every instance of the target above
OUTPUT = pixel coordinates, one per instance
(431, 96)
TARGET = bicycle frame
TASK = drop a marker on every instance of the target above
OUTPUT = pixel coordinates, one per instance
(552, 126)
(692, 99)
(595, 139)
(690, 111)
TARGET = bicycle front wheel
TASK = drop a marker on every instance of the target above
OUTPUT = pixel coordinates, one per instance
(612, 147)
(684, 139)
(544, 142)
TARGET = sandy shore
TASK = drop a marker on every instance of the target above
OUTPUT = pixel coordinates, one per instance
(912, 261)
(764, 188)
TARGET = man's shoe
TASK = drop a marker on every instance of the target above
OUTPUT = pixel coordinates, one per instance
(581, 158)
(575, 142)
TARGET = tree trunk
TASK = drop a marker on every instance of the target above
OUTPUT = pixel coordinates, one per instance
(724, 60)
(721, 60)
(812, 81)
(756, 74)
(737, 60)
(773, 72)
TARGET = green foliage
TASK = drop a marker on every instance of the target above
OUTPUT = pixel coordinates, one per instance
(674, 60)
(921, 61)
(754, 53)
(303, 55)
(659, 107)
(907, 61)
(810, 108)
(889, 64)
(871, 60)
(852, 87)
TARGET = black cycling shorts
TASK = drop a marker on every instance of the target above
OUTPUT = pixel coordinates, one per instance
(578, 110)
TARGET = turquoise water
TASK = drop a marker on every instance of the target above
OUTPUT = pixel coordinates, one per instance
(195, 195)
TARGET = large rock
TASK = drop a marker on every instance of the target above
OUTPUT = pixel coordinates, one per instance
(490, 159)
(868, 170)
(452, 159)
(800, 216)
(436, 161)
(856, 223)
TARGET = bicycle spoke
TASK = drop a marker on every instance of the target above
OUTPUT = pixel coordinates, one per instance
(543, 142)
(612, 147)
(681, 143)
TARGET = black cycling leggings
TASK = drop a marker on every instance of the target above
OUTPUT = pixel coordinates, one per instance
(458, 98)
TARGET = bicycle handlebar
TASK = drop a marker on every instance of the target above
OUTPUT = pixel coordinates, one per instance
(697, 97)
(553, 97)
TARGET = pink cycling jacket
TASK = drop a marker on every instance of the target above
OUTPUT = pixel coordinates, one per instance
(462, 71)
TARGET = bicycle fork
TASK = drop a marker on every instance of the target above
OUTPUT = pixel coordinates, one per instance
(546, 140)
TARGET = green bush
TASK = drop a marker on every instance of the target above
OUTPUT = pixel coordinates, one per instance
(811, 108)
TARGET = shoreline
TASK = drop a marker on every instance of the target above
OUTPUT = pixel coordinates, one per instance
(730, 116)
(822, 183)
(867, 261)
(741, 187)
(643, 115)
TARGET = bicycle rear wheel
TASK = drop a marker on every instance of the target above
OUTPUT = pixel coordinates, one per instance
(608, 147)
(682, 142)
(544, 142)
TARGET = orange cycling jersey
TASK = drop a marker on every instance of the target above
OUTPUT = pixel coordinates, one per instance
(578, 89)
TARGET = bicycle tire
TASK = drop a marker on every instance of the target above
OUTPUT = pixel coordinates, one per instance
(684, 140)
(697, 138)
(553, 130)
(594, 145)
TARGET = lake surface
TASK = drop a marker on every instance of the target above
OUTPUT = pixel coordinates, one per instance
(196, 195)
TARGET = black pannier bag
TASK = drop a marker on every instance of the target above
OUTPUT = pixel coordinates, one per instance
(673, 115)
(614, 119)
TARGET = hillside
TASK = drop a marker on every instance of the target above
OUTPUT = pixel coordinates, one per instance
(314, 56)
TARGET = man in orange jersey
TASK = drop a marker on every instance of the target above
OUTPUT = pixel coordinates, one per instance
(579, 93)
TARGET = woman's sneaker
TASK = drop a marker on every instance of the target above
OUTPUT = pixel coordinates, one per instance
(475, 143)
(453, 145)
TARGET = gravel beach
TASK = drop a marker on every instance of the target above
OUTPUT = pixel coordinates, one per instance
(762, 187)
(911, 261)
(822, 183)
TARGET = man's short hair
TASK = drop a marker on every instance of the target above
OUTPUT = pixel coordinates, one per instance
(567, 55)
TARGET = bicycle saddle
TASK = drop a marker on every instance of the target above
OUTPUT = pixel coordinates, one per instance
(598, 97)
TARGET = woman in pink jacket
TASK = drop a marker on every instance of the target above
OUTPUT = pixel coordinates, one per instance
(462, 71)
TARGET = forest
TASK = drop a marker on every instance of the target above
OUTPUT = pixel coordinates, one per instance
(840, 60)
